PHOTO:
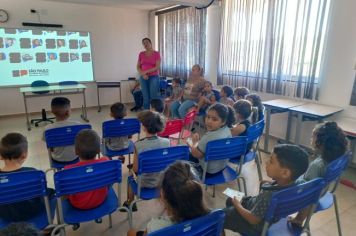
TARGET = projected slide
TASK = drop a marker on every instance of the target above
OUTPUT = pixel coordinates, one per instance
(27, 55)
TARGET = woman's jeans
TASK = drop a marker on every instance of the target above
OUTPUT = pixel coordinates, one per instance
(150, 89)
(179, 110)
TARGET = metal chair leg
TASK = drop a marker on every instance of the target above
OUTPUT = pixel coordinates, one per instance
(259, 171)
(337, 216)
(110, 221)
(213, 191)
(238, 184)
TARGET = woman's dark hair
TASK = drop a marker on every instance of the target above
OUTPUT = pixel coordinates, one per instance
(152, 121)
(182, 193)
(330, 140)
(226, 113)
(228, 90)
(243, 108)
(149, 40)
(241, 92)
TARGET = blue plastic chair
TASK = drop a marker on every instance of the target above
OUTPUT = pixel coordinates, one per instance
(333, 174)
(153, 161)
(254, 134)
(26, 185)
(86, 178)
(289, 201)
(223, 149)
(163, 86)
(209, 225)
(62, 136)
(120, 128)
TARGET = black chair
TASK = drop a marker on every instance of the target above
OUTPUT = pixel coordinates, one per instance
(41, 83)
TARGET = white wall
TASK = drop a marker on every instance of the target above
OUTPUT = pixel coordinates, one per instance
(116, 35)
(337, 72)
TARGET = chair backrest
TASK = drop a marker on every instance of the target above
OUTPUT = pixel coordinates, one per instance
(217, 94)
(156, 160)
(163, 84)
(226, 148)
(40, 83)
(255, 131)
(208, 225)
(189, 118)
(336, 167)
(23, 185)
(290, 200)
(87, 177)
(63, 136)
(118, 128)
(172, 127)
(68, 82)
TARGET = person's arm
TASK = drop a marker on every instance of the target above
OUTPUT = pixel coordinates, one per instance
(135, 161)
(133, 232)
(195, 151)
(246, 214)
(237, 130)
(138, 67)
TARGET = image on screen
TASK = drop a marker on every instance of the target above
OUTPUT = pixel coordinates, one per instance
(27, 55)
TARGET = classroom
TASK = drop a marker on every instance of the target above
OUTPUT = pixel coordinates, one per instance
(177, 117)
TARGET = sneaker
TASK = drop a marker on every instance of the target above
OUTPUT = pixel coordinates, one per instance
(99, 221)
(127, 204)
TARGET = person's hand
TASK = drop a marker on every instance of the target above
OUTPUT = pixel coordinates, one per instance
(195, 138)
(145, 77)
(236, 203)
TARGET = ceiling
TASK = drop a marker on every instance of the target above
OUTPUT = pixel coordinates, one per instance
(137, 4)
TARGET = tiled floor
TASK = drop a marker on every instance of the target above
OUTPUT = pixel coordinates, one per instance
(323, 223)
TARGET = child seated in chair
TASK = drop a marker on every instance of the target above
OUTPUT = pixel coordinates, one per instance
(87, 147)
(286, 164)
(329, 142)
(257, 107)
(208, 97)
(152, 123)
(241, 93)
(243, 111)
(60, 107)
(218, 121)
(157, 105)
(177, 93)
(118, 112)
(226, 96)
(182, 197)
(13, 152)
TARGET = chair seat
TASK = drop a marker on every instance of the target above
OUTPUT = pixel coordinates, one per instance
(185, 134)
(282, 227)
(250, 156)
(226, 175)
(111, 153)
(60, 165)
(325, 202)
(73, 215)
(40, 221)
(146, 193)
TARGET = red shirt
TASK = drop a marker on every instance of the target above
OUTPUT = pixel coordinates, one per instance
(90, 199)
(149, 62)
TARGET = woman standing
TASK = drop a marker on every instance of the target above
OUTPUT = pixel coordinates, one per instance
(148, 65)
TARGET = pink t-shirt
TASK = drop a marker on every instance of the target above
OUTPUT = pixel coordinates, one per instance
(148, 62)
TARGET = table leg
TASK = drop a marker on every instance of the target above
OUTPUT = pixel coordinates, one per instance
(268, 121)
(298, 128)
(26, 111)
(97, 92)
(84, 111)
(289, 123)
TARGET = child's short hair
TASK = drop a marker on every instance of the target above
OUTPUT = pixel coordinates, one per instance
(182, 193)
(243, 108)
(176, 80)
(118, 110)
(241, 92)
(157, 104)
(227, 90)
(152, 121)
(87, 144)
(226, 113)
(330, 140)
(19, 228)
(12, 146)
(60, 106)
(293, 158)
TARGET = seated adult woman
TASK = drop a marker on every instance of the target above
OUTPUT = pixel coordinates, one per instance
(192, 92)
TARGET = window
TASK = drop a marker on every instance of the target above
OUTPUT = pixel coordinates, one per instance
(274, 46)
(181, 40)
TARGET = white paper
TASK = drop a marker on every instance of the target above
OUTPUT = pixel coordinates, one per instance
(234, 193)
